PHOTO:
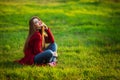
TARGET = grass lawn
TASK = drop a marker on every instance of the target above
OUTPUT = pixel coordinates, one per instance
(87, 33)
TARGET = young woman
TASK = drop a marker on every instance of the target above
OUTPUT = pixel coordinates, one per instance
(35, 51)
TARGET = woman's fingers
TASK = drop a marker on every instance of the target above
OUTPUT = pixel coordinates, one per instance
(45, 25)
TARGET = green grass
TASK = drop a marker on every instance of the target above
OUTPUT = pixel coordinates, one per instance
(87, 34)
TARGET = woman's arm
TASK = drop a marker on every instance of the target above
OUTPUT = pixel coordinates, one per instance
(50, 37)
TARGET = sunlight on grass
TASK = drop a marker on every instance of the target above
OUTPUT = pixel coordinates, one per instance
(84, 11)
(14, 28)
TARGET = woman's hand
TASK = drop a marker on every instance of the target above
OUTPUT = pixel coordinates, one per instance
(45, 26)
(42, 25)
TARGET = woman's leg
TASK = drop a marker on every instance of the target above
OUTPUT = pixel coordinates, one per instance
(44, 57)
(53, 47)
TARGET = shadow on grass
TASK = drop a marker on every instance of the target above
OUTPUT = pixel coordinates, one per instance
(10, 64)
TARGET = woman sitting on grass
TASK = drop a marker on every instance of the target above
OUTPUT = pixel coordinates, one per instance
(35, 51)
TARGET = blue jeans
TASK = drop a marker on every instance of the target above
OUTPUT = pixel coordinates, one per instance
(47, 55)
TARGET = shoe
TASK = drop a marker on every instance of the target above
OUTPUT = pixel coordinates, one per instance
(53, 64)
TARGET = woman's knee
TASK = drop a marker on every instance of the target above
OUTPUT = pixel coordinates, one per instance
(50, 52)
(55, 44)
(54, 47)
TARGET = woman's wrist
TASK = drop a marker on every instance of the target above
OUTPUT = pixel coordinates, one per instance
(46, 29)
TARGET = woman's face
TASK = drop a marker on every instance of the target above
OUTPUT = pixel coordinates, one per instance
(37, 23)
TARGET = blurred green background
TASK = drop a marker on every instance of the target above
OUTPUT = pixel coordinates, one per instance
(86, 31)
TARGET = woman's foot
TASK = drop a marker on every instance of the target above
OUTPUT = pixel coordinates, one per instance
(53, 64)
